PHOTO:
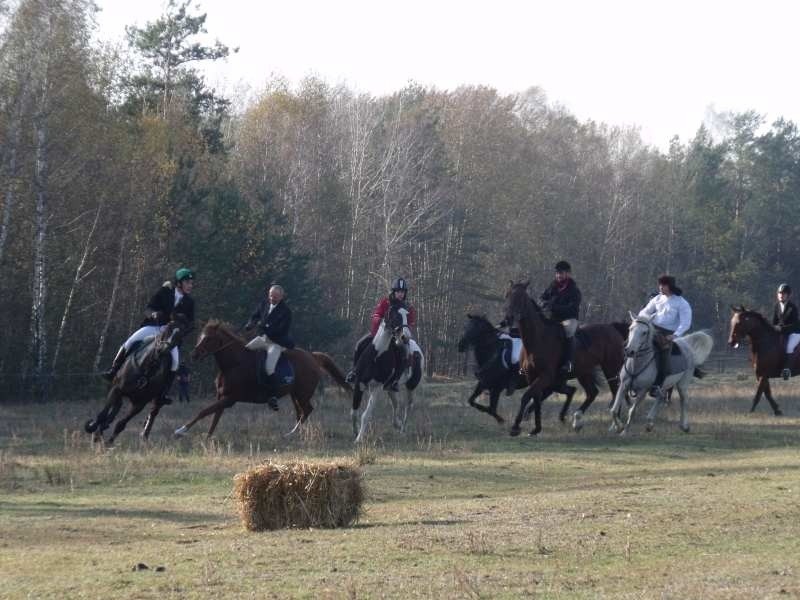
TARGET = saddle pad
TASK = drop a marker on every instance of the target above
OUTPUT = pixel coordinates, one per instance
(284, 370)
(141, 349)
(512, 350)
(792, 342)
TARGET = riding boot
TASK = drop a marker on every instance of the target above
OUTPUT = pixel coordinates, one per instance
(164, 398)
(662, 364)
(270, 385)
(116, 365)
(360, 346)
(786, 373)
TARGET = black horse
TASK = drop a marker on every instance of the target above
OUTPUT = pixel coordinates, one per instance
(494, 373)
(140, 379)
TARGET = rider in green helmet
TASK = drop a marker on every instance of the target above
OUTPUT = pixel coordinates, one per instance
(173, 297)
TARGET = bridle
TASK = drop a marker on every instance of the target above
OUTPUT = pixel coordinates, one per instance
(643, 350)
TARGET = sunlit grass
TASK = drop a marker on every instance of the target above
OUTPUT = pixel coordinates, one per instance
(456, 508)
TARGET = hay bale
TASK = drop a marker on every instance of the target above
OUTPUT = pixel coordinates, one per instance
(302, 494)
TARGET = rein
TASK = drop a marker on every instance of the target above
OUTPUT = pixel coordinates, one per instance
(648, 349)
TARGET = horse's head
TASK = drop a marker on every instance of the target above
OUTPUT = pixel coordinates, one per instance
(743, 323)
(396, 320)
(477, 329)
(214, 337)
(640, 335)
(517, 302)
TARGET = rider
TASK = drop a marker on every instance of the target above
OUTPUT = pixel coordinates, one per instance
(396, 297)
(274, 318)
(671, 317)
(563, 299)
(786, 321)
(174, 297)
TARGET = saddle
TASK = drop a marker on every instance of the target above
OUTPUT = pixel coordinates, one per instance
(145, 364)
(284, 371)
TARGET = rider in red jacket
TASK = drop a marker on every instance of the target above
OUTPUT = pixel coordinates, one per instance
(397, 295)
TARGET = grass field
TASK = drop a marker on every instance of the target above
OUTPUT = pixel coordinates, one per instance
(456, 508)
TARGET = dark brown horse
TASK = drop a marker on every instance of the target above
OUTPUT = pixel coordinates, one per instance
(237, 376)
(140, 379)
(766, 350)
(543, 347)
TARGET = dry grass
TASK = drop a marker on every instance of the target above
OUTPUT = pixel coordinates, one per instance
(456, 509)
(299, 494)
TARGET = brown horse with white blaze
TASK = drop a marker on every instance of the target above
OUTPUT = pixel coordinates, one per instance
(767, 350)
(237, 376)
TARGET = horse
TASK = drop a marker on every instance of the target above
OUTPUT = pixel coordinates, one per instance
(493, 373)
(599, 346)
(140, 379)
(378, 362)
(640, 370)
(766, 351)
(238, 380)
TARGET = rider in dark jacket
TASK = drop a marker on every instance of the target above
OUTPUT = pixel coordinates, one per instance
(786, 321)
(563, 299)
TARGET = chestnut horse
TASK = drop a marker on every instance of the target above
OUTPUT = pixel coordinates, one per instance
(544, 342)
(140, 379)
(237, 376)
(766, 351)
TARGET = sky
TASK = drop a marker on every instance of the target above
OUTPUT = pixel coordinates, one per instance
(663, 67)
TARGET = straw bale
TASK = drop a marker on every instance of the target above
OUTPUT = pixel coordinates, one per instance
(301, 494)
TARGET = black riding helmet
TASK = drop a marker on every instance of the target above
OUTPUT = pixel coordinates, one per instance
(400, 284)
(784, 288)
(563, 266)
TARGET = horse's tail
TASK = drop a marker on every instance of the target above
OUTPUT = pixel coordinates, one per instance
(326, 363)
(700, 343)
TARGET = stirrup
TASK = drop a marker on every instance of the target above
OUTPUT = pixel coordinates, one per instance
(350, 377)
(786, 374)
(272, 402)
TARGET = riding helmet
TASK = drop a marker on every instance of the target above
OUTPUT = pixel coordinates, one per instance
(182, 274)
(400, 284)
(785, 288)
(563, 266)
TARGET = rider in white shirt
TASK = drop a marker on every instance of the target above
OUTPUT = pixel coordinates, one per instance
(672, 317)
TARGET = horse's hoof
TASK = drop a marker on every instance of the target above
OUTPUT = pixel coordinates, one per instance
(500, 420)
(778, 413)
(533, 432)
(649, 427)
(515, 431)
(181, 431)
(685, 429)
(90, 426)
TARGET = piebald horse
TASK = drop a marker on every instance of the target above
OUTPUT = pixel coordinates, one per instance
(378, 362)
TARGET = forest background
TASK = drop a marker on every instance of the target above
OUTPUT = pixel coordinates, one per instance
(120, 164)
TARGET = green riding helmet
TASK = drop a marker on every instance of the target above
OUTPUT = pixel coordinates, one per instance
(182, 274)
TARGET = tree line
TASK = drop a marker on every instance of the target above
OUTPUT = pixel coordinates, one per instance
(120, 164)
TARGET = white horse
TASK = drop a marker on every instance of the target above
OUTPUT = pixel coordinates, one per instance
(639, 371)
(394, 326)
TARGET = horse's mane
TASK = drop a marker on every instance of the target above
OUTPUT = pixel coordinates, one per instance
(482, 318)
(226, 328)
(759, 316)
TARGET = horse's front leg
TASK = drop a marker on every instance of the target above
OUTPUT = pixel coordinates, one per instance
(219, 405)
(366, 415)
(148, 424)
(397, 421)
(523, 405)
(588, 385)
(616, 406)
(768, 394)
(569, 392)
(494, 398)
(759, 390)
(475, 393)
(358, 394)
(135, 410)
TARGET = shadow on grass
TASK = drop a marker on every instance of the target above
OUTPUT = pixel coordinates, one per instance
(56, 509)
(428, 522)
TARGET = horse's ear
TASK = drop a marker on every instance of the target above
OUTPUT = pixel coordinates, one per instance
(631, 315)
(737, 309)
(469, 316)
(510, 283)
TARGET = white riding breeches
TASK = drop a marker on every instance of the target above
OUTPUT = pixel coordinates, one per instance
(262, 342)
(152, 331)
(570, 327)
